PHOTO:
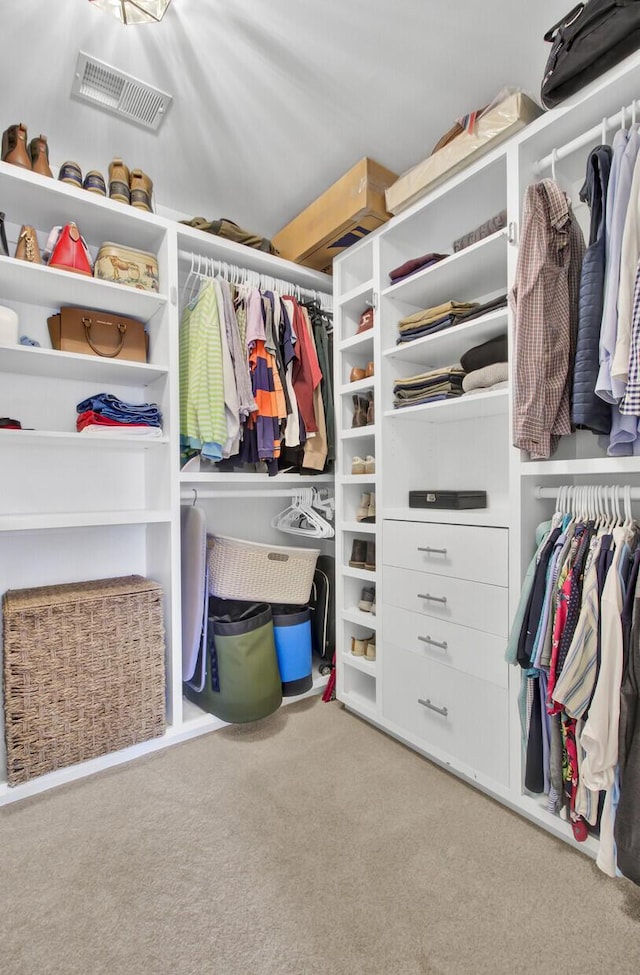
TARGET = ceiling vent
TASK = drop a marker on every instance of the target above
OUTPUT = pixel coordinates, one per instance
(107, 87)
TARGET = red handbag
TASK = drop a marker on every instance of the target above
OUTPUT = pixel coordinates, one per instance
(70, 251)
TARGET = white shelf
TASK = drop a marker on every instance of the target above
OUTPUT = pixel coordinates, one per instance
(494, 517)
(575, 467)
(364, 479)
(363, 340)
(248, 480)
(360, 618)
(359, 704)
(53, 288)
(219, 249)
(446, 347)
(357, 387)
(356, 293)
(32, 361)
(467, 406)
(356, 432)
(81, 519)
(367, 527)
(359, 663)
(51, 438)
(366, 575)
(469, 274)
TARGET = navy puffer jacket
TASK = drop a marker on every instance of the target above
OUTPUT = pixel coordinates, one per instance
(587, 409)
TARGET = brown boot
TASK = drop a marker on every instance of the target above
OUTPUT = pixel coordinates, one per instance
(14, 146)
(119, 181)
(141, 189)
(360, 407)
(39, 152)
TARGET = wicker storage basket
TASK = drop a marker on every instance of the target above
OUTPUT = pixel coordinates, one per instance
(84, 672)
(239, 569)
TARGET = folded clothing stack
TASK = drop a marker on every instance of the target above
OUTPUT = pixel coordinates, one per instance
(107, 415)
(428, 387)
(414, 265)
(433, 319)
(486, 365)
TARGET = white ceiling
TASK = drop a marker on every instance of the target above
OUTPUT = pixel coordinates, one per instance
(273, 99)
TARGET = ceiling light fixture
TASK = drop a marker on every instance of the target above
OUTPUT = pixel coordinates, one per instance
(134, 11)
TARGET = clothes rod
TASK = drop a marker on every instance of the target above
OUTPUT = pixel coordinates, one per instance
(553, 492)
(598, 131)
(193, 495)
(249, 274)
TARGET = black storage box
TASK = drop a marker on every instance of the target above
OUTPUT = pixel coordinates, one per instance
(448, 499)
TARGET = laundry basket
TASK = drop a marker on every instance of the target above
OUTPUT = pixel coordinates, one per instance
(292, 635)
(239, 569)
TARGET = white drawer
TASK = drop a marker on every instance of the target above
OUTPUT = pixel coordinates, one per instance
(466, 718)
(463, 551)
(471, 651)
(454, 600)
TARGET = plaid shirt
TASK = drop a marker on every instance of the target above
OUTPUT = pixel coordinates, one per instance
(544, 301)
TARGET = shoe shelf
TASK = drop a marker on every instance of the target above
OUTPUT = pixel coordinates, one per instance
(363, 479)
(445, 347)
(359, 663)
(359, 617)
(366, 527)
(52, 287)
(363, 343)
(355, 432)
(367, 575)
(465, 276)
(469, 405)
(359, 386)
(358, 295)
(89, 519)
(31, 361)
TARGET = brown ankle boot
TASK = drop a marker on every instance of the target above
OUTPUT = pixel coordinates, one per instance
(14, 146)
(39, 152)
(141, 189)
(119, 181)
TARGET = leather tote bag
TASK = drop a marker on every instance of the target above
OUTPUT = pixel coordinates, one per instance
(592, 38)
(98, 333)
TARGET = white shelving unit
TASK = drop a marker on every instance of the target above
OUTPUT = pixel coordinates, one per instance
(442, 620)
(78, 506)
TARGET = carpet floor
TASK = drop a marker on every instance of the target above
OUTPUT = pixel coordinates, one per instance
(305, 844)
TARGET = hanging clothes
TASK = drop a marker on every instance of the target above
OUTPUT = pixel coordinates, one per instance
(627, 824)
(544, 302)
(203, 425)
(587, 409)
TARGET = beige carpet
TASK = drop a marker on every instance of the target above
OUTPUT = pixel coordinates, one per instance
(307, 843)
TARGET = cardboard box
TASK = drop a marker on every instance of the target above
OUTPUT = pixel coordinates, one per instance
(346, 212)
(492, 128)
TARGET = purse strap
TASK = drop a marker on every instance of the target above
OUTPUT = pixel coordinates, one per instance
(566, 21)
(3, 236)
(122, 328)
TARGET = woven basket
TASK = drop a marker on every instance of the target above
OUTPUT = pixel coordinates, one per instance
(239, 569)
(84, 672)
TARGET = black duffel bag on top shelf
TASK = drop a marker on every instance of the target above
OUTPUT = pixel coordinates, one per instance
(592, 38)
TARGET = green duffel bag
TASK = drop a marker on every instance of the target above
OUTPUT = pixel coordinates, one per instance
(237, 676)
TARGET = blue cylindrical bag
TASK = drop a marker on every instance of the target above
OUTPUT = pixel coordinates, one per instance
(292, 635)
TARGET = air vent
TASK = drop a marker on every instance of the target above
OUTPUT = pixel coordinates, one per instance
(100, 84)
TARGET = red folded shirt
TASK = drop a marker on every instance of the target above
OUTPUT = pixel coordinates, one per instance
(90, 417)
(410, 267)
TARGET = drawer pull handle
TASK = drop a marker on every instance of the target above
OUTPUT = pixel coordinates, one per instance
(433, 707)
(437, 551)
(434, 599)
(433, 643)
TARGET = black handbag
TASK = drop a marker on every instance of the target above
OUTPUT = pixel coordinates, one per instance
(592, 38)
